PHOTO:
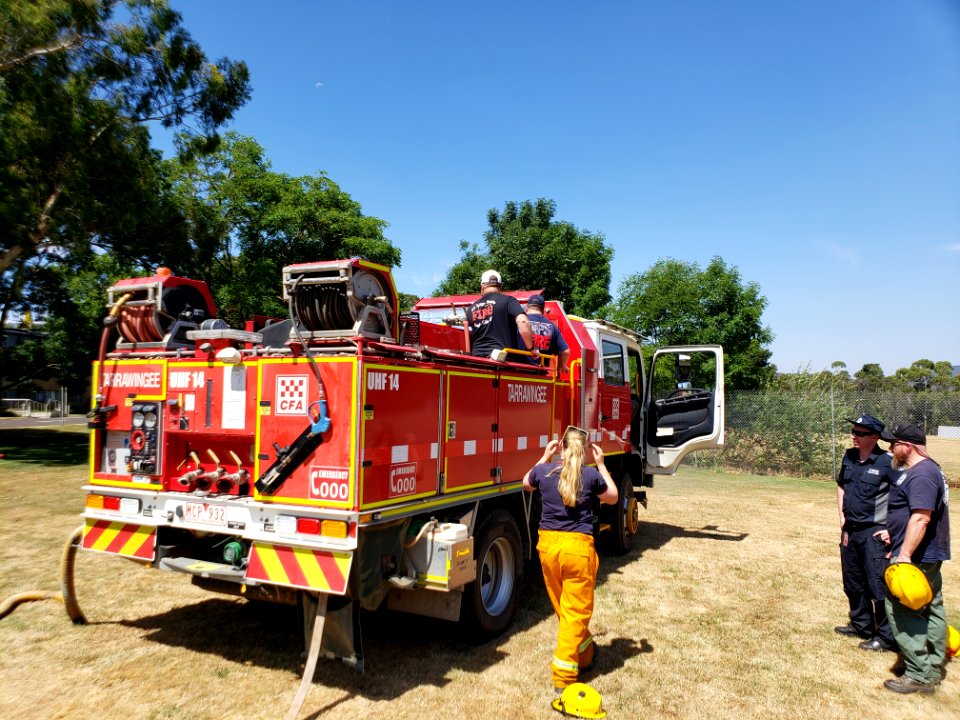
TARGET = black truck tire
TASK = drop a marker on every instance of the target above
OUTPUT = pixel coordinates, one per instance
(490, 602)
(623, 526)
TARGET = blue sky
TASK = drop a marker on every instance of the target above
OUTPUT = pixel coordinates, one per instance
(814, 145)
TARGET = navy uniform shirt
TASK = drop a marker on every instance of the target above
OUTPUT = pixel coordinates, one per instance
(866, 486)
(921, 487)
(546, 336)
(556, 515)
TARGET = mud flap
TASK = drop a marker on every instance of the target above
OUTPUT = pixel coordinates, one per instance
(341, 630)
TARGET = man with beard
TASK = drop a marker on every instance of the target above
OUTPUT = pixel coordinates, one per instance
(919, 523)
(863, 485)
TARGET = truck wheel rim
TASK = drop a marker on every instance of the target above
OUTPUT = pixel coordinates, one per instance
(633, 517)
(496, 579)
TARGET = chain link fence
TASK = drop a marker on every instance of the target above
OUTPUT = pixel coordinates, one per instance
(805, 433)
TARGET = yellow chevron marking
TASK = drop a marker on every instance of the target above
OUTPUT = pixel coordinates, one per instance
(311, 569)
(272, 564)
(107, 536)
(136, 541)
(343, 562)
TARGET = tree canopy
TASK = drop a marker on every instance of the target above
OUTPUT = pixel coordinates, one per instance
(925, 375)
(246, 221)
(78, 80)
(530, 249)
(83, 197)
(680, 303)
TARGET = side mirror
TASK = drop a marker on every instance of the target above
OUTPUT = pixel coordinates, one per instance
(682, 371)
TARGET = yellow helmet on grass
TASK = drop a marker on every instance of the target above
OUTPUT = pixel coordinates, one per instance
(953, 641)
(907, 583)
(581, 701)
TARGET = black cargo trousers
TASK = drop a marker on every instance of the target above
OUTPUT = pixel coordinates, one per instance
(863, 558)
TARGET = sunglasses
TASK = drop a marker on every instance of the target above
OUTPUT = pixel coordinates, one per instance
(574, 430)
(862, 433)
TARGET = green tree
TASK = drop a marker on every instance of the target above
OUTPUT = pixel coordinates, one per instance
(78, 81)
(927, 376)
(680, 303)
(63, 344)
(246, 221)
(407, 301)
(870, 378)
(532, 250)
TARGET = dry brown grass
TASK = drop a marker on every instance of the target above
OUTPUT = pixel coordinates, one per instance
(725, 610)
(946, 451)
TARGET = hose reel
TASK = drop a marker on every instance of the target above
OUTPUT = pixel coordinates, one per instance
(158, 311)
(343, 298)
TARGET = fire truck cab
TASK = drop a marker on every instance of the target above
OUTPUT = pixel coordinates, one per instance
(351, 456)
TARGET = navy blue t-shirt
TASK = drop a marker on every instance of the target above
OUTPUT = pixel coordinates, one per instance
(493, 324)
(921, 487)
(546, 336)
(556, 515)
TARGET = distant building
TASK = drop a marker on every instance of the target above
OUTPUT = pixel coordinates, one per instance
(38, 389)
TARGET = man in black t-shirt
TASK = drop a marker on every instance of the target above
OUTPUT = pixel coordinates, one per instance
(496, 320)
(919, 525)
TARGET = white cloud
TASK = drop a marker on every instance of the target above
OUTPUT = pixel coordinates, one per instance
(952, 248)
(841, 253)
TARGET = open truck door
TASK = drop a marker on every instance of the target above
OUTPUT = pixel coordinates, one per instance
(683, 405)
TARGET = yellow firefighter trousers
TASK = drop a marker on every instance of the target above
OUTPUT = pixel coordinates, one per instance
(569, 563)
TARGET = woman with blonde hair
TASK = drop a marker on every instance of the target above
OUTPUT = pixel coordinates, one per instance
(566, 549)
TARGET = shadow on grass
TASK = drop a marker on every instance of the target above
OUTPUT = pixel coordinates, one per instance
(270, 636)
(653, 536)
(44, 446)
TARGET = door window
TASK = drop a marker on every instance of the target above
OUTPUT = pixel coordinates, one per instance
(613, 365)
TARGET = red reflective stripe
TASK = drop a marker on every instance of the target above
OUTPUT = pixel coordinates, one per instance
(146, 550)
(331, 571)
(122, 537)
(93, 533)
(255, 568)
(290, 564)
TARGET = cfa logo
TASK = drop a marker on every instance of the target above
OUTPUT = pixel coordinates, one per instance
(291, 398)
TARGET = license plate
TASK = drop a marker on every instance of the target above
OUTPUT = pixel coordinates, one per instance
(206, 514)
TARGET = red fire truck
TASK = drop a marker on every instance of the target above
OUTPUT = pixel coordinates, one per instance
(349, 456)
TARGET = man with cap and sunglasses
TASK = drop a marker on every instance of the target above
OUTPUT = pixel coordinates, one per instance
(863, 485)
(919, 525)
(546, 336)
(496, 320)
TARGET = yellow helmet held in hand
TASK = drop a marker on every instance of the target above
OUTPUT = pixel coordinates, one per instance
(907, 583)
(953, 641)
(581, 701)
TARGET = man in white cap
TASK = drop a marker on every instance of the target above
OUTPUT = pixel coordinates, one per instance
(496, 320)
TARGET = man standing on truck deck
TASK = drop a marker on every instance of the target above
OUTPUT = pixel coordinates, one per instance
(546, 336)
(863, 485)
(496, 320)
(919, 524)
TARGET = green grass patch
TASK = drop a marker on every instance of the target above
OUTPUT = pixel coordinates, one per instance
(45, 446)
